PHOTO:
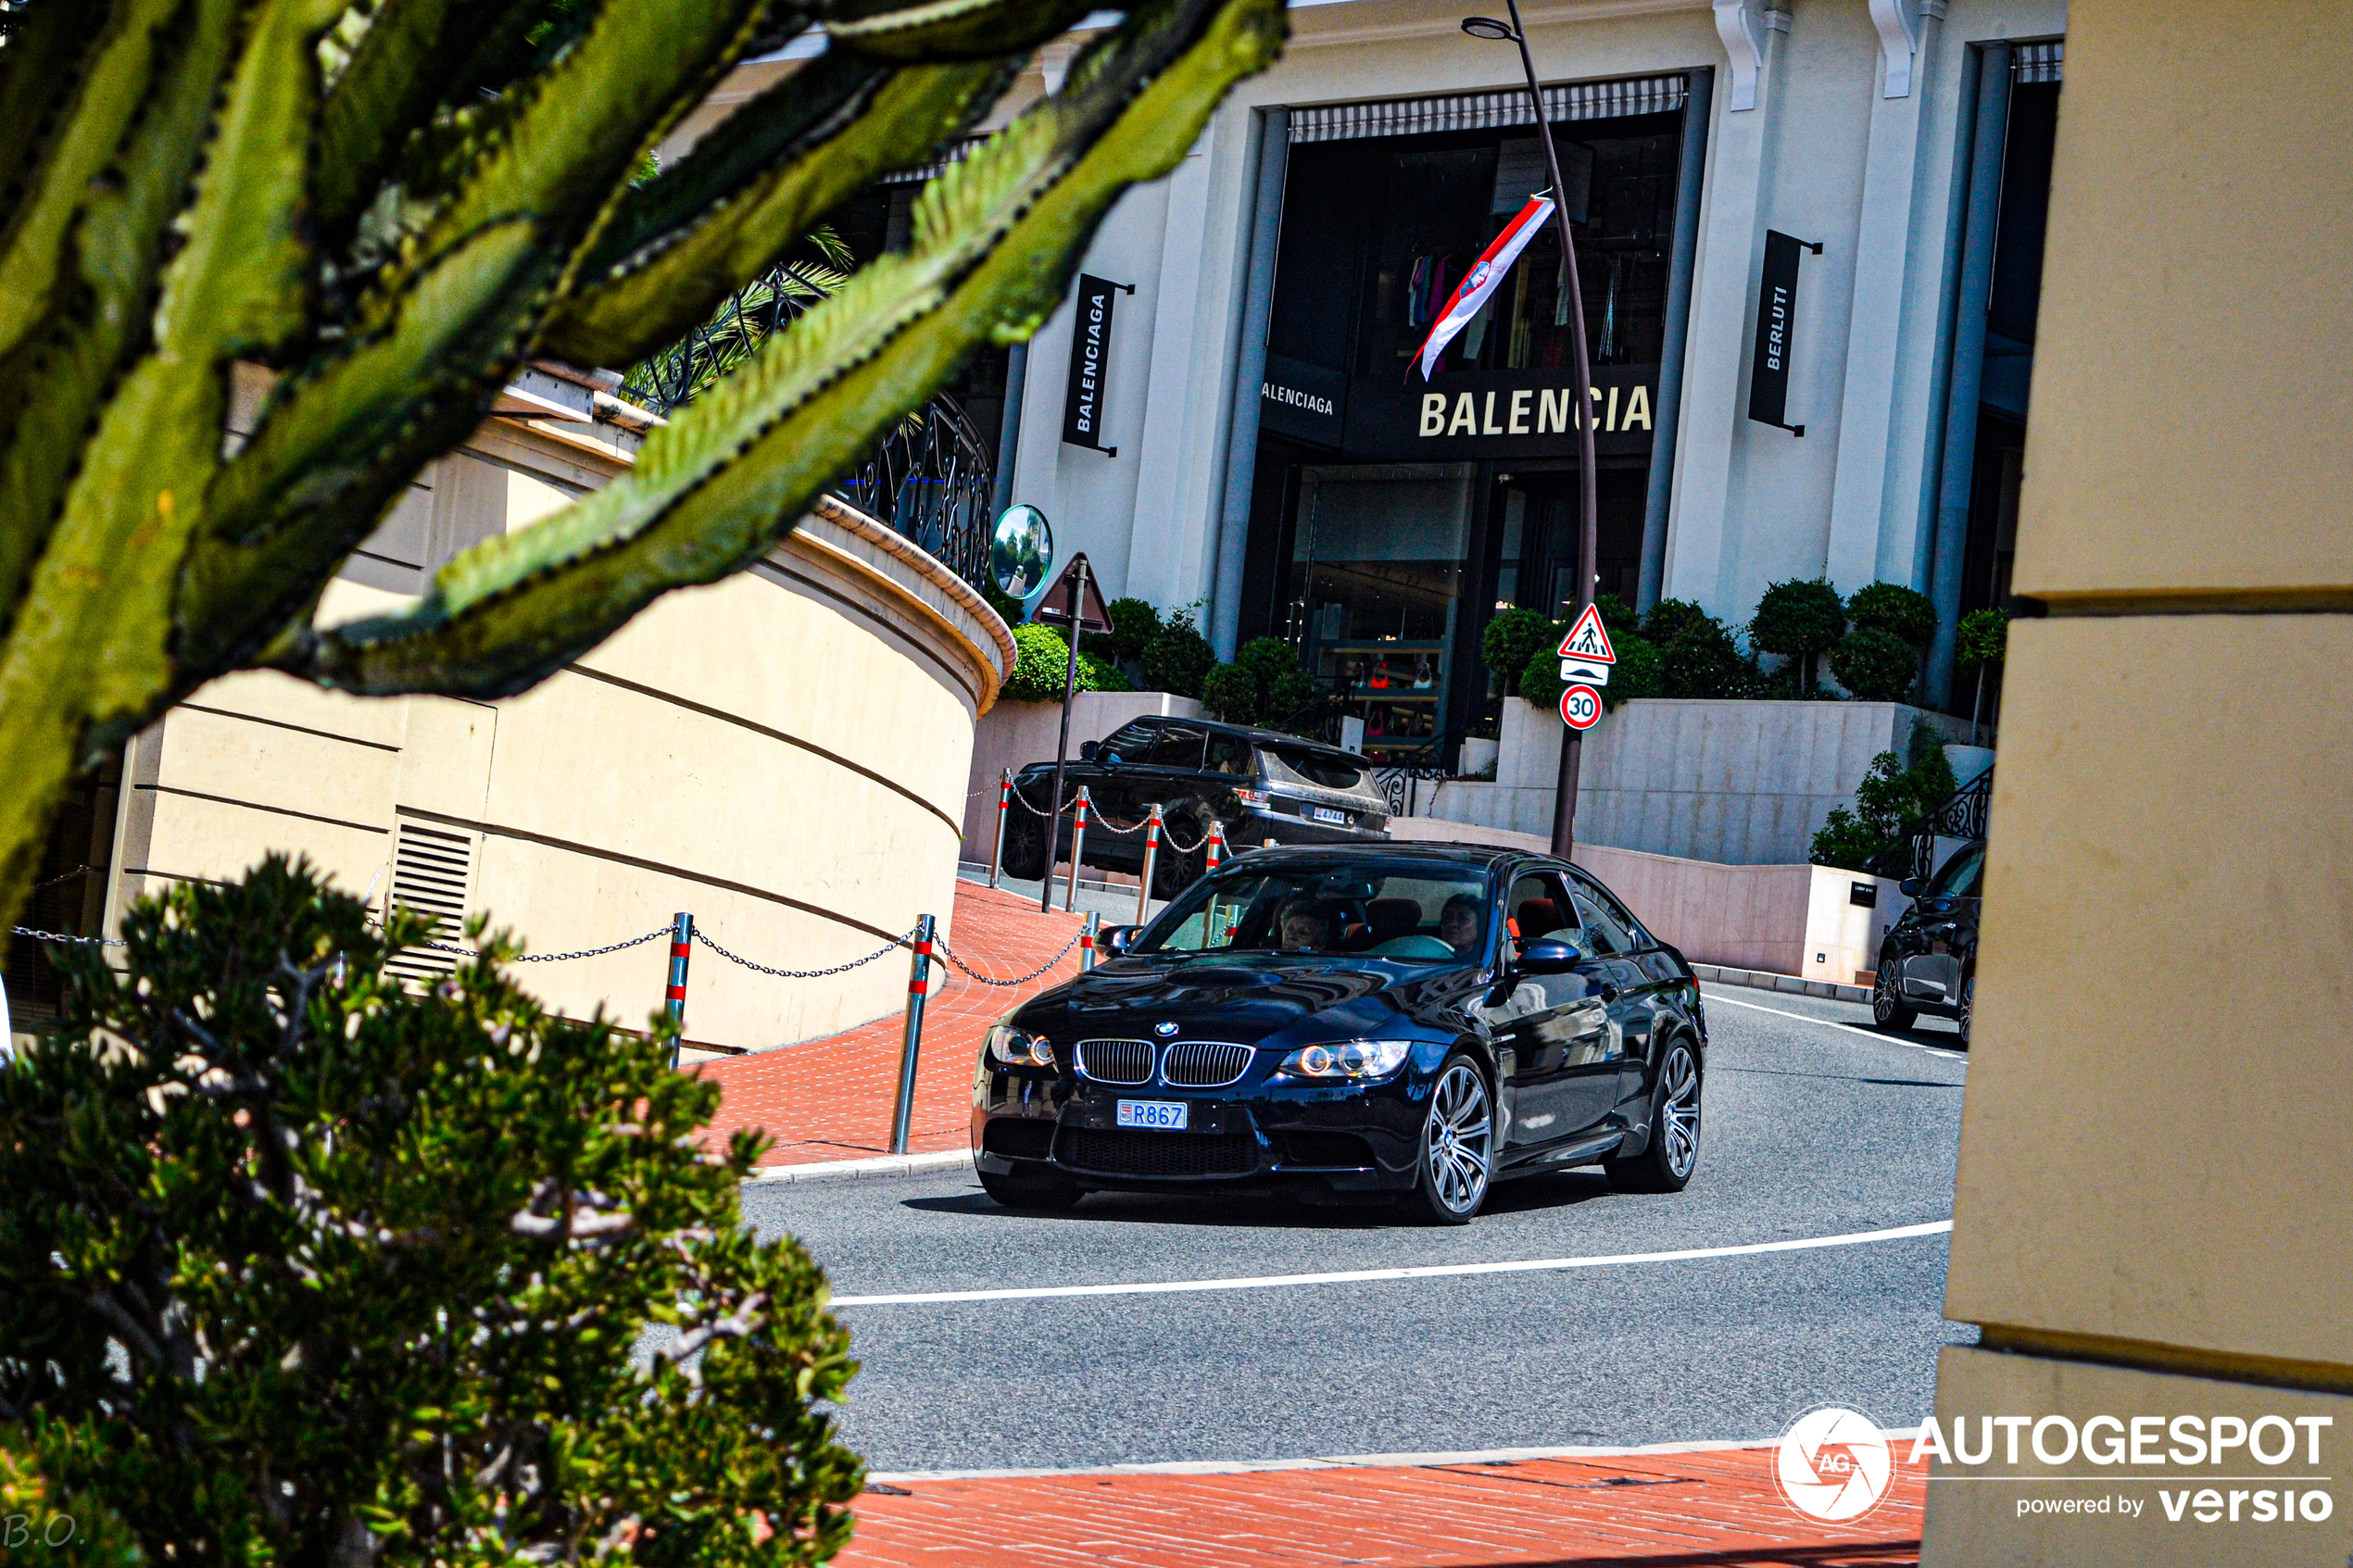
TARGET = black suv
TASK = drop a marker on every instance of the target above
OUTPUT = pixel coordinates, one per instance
(1260, 783)
(1927, 960)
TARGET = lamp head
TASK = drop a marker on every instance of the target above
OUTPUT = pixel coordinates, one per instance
(1490, 28)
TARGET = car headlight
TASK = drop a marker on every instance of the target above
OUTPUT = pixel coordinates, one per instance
(1348, 1060)
(1014, 1048)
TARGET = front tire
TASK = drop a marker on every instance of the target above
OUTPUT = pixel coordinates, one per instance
(1666, 1165)
(1887, 998)
(1458, 1145)
(1048, 1189)
(1175, 871)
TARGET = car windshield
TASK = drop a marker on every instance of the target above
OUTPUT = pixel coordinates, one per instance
(1959, 879)
(1301, 764)
(1404, 911)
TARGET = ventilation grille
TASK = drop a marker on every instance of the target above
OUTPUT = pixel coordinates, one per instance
(1204, 1065)
(430, 870)
(1023, 1139)
(1115, 1061)
(1127, 1153)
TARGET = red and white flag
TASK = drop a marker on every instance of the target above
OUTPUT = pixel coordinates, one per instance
(1471, 294)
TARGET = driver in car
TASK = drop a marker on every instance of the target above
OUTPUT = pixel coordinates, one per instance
(1458, 925)
(1299, 921)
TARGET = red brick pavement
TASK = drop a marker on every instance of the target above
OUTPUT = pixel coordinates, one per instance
(1711, 1510)
(832, 1099)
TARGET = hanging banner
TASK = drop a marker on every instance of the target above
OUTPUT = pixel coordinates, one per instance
(1486, 275)
(1776, 331)
(1089, 363)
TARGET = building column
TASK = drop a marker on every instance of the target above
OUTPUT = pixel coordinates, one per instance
(1682, 258)
(2153, 1219)
(1273, 163)
(1731, 241)
(1860, 496)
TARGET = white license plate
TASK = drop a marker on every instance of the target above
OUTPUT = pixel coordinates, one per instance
(1164, 1113)
(1326, 814)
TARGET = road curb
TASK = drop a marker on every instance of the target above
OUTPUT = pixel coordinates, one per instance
(1794, 986)
(856, 1169)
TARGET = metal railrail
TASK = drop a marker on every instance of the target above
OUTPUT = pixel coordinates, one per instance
(1964, 814)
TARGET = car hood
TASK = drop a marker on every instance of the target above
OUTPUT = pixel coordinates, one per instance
(1240, 999)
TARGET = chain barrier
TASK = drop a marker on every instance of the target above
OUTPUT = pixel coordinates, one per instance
(62, 876)
(702, 936)
(1026, 979)
(61, 936)
(552, 958)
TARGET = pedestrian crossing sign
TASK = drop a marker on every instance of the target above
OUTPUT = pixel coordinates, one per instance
(1588, 641)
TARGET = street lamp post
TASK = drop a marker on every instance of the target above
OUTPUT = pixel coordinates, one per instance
(1588, 505)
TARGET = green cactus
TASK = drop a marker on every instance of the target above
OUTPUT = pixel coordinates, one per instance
(392, 204)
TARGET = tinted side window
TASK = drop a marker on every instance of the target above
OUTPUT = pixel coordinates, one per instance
(1132, 742)
(1602, 928)
(1535, 910)
(1619, 917)
(1177, 747)
(1229, 754)
(1959, 879)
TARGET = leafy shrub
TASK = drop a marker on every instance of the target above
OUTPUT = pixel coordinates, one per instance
(1134, 624)
(1984, 636)
(1671, 616)
(1264, 685)
(1701, 659)
(1618, 618)
(1101, 675)
(1042, 663)
(1640, 671)
(1800, 619)
(1513, 638)
(1180, 658)
(297, 1266)
(1875, 666)
(1903, 613)
(1894, 791)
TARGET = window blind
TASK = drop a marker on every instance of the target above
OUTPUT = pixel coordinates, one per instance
(1487, 111)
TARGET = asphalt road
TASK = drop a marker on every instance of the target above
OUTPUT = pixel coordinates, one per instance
(1812, 1131)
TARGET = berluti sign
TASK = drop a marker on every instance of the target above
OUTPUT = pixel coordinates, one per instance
(1090, 364)
(1501, 414)
(1776, 330)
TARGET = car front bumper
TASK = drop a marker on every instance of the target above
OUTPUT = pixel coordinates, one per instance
(1360, 1138)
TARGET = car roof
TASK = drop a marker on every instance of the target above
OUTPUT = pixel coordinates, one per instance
(1255, 736)
(1483, 855)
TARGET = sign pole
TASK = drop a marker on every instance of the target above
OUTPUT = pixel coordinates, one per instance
(1062, 745)
(1587, 494)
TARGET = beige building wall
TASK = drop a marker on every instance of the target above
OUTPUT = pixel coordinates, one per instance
(782, 754)
(2155, 1211)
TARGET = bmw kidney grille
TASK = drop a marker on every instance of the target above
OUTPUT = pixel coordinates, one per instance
(1204, 1064)
(1115, 1061)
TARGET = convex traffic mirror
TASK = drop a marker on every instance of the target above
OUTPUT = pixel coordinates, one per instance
(1021, 551)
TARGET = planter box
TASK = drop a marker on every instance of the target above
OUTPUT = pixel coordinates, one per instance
(1013, 734)
(1743, 783)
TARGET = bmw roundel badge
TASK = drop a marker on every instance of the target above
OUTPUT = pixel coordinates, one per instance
(1163, 1030)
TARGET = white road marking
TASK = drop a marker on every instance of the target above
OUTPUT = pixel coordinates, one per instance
(1344, 1462)
(1833, 1023)
(1429, 1270)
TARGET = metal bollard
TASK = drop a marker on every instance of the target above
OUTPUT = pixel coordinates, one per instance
(1077, 848)
(1004, 805)
(1215, 854)
(1151, 853)
(911, 1046)
(1093, 923)
(682, 941)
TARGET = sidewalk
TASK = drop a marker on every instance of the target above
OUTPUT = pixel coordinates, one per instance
(1714, 1509)
(831, 1098)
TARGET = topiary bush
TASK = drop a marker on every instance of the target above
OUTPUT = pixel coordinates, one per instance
(1134, 624)
(1102, 675)
(1512, 640)
(1800, 619)
(1701, 659)
(300, 1266)
(1640, 671)
(1903, 613)
(1041, 664)
(1180, 658)
(1671, 616)
(1264, 685)
(1875, 665)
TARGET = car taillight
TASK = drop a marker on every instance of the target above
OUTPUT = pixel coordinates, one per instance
(1251, 797)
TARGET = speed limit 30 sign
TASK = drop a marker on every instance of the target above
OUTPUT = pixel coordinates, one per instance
(1580, 708)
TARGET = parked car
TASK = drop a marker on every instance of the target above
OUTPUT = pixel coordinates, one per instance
(1260, 783)
(1354, 1023)
(1927, 960)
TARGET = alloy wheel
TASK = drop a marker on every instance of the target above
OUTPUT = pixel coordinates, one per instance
(1458, 1140)
(1888, 1009)
(1679, 1112)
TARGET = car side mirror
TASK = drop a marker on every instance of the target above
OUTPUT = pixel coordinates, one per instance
(1548, 955)
(1116, 939)
(1087, 750)
(1912, 886)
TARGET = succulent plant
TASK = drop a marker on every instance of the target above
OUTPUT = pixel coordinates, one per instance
(390, 204)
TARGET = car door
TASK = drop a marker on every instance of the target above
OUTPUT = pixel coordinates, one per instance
(1551, 1030)
(1946, 928)
(1122, 760)
(1628, 987)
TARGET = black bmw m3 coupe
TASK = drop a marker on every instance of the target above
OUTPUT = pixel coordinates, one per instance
(1354, 1023)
